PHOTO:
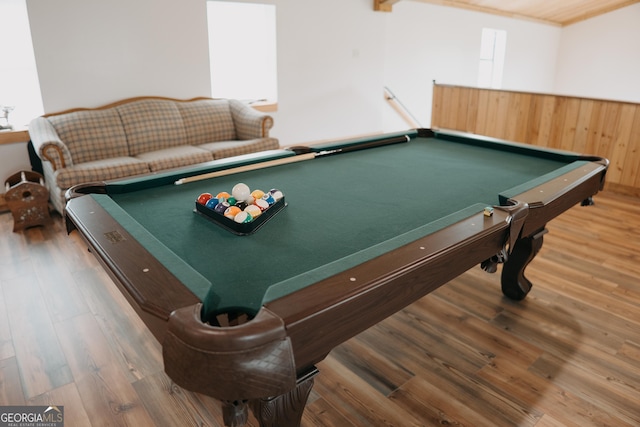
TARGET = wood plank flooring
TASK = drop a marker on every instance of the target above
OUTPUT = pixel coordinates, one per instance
(568, 355)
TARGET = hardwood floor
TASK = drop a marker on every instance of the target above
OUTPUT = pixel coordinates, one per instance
(568, 355)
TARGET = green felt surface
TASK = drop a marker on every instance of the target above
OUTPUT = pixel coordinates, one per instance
(342, 210)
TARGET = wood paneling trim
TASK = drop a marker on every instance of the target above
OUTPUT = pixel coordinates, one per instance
(603, 128)
(13, 136)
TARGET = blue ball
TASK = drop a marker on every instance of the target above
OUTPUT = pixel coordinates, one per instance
(211, 203)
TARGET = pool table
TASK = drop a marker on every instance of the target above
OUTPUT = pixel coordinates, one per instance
(369, 226)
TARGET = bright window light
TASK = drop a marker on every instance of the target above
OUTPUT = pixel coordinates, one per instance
(492, 53)
(242, 50)
(19, 86)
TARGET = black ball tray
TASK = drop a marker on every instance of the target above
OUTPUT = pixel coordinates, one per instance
(241, 229)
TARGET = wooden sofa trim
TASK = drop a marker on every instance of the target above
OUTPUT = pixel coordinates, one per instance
(52, 160)
(126, 101)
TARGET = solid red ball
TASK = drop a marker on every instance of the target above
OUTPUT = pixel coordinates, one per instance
(204, 198)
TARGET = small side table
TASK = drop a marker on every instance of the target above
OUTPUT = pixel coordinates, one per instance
(28, 199)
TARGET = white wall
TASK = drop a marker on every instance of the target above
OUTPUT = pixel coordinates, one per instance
(600, 57)
(92, 52)
(13, 158)
(334, 57)
(426, 42)
(330, 69)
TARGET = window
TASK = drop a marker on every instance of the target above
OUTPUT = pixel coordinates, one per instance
(492, 52)
(242, 50)
(19, 87)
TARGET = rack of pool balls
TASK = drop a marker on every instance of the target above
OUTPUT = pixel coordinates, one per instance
(243, 210)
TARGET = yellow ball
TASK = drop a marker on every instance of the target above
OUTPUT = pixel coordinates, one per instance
(253, 210)
(257, 194)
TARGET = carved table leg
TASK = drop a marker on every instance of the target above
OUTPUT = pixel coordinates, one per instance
(235, 413)
(514, 284)
(284, 410)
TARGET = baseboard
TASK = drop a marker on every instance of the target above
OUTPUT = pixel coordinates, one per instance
(625, 190)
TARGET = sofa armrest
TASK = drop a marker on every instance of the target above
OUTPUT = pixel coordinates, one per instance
(249, 122)
(48, 145)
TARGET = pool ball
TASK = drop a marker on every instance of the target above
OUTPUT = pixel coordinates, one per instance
(268, 198)
(221, 207)
(232, 211)
(204, 198)
(262, 204)
(253, 210)
(231, 200)
(243, 217)
(211, 203)
(257, 194)
(242, 205)
(241, 191)
(277, 194)
(223, 195)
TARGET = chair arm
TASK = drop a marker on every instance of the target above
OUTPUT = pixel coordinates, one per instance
(249, 122)
(48, 145)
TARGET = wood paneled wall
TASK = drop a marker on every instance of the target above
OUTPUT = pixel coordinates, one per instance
(603, 128)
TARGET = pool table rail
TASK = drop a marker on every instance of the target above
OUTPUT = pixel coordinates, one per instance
(247, 361)
(148, 286)
(348, 303)
(554, 197)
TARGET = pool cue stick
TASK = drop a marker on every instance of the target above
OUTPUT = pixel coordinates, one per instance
(298, 158)
(246, 168)
(372, 144)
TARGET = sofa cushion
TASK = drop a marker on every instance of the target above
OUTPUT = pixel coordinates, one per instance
(207, 120)
(91, 135)
(222, 149)
(175, 157)
(151, 125)
(99, 170)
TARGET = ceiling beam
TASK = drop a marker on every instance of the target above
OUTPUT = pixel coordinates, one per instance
(477, 8)
(384, 5)
(548, 12)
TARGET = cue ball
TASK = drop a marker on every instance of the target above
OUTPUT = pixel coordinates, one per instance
(241, 191)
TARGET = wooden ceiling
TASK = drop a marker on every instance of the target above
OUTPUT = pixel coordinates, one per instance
(555, 12)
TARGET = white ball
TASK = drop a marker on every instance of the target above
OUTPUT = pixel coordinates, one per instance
(241, 192)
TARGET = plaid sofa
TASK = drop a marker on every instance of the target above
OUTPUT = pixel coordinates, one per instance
(143, 135)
